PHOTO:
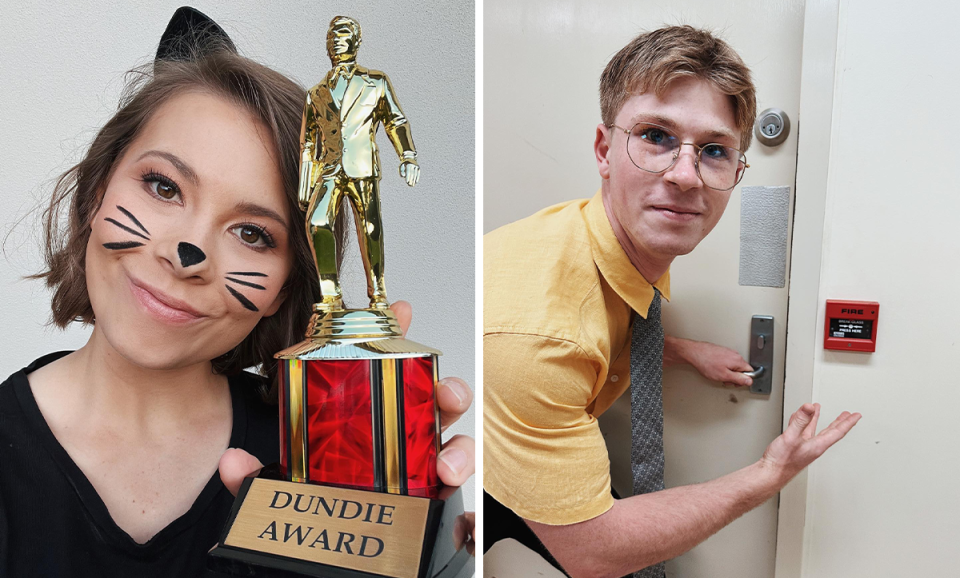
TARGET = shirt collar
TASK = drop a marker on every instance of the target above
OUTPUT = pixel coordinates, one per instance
(347, 68)
(615, 266)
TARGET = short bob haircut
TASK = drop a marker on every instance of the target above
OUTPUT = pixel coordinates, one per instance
(651, 61)
(277, 102)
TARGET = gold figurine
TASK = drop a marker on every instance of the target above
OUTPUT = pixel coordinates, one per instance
(339, 158)
(358, 406)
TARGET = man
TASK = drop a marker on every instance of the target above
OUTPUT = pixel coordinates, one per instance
(571, 310)
(340, 158)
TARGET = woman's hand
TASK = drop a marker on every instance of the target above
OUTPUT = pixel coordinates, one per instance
(456, 460)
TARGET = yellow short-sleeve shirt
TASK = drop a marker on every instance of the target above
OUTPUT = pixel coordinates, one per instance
(558, 291)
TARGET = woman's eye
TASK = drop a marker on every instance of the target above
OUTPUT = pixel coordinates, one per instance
(161, 186)
(163, 190)
(254, 236)
(250, 235)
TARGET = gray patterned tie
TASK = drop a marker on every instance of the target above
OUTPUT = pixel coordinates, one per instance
(646, 410)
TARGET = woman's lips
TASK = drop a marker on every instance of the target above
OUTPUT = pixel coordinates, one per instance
(162, 306)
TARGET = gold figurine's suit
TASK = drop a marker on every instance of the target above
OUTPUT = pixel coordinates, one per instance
(340, 159)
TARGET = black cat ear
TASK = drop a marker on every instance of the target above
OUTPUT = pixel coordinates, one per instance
(190, 35)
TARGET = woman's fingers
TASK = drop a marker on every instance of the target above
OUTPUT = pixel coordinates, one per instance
(454, 398)
(454, 395)
(235, 465)
(404, 313)
(456, 460)
(463, 532)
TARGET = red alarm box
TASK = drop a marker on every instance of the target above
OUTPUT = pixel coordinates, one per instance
(851, 325)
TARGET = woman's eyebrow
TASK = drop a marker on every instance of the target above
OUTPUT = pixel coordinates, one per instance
(256, 210)
(177, 162)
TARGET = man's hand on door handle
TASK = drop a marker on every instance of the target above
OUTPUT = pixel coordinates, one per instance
(714, 362)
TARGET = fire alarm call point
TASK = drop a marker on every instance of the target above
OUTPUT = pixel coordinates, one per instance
(851, 325)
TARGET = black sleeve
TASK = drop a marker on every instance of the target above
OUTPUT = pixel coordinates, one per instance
(262, 438)
(4, 531)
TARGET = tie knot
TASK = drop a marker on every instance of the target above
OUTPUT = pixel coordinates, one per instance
(653, 311)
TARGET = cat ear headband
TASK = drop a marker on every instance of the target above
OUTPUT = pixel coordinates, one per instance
(190, 35)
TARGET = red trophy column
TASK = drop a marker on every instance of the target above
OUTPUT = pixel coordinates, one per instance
(370, 423)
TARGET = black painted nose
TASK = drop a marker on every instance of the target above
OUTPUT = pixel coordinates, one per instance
(190, 254)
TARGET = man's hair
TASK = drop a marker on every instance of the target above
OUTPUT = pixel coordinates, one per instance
(276, 102)
(651, 61)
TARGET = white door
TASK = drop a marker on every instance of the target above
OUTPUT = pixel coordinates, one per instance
(542, 63)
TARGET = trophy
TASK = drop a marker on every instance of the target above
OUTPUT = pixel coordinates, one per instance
(356, 493)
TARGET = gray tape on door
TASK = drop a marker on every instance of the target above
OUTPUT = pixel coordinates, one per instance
(764, 220)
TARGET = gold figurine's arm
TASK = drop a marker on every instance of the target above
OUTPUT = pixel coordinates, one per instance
(395, 124)
(310, 150)
(398, 131)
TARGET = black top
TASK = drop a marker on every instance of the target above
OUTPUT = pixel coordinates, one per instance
(53, 522)
(500, 523)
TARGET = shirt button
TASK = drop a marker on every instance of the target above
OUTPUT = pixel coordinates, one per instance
(614, 378)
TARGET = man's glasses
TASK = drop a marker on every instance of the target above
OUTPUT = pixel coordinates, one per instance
(654, 149)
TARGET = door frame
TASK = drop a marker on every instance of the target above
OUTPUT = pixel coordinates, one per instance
(817, 83)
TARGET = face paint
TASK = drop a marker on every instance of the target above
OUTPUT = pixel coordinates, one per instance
(243, 300)
(127, 244)
(197, 233)
(134, 219)
(190, 254)
(247, 284)
(127, 229)
(121, 246)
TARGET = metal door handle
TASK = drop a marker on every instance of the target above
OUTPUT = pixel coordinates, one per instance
(757, 372)
(761, 354)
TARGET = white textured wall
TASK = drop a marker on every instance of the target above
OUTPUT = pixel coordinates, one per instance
(61, 71)
(884, 501)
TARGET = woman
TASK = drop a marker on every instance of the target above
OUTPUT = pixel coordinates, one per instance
(185, 249)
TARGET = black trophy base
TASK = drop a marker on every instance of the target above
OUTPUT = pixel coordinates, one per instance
(285, 529)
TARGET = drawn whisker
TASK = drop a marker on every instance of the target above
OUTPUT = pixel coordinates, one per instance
(247, 284)
(127, 229)
(246, 273)
(134, 219)
(124, 245)
(243, 300)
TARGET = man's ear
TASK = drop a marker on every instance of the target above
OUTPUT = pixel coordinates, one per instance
(601, 148)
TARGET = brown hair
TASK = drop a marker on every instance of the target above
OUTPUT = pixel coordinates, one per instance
(654, 59)
(272, 98)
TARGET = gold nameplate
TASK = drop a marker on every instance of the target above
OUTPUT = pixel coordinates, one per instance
(365, 531)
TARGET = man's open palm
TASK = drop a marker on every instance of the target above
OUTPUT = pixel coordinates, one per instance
(800, 444)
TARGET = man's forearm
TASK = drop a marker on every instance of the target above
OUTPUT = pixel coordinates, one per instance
(675, 350)
(642, 530)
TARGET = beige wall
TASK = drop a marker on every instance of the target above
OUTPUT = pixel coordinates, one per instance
(884, 501)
